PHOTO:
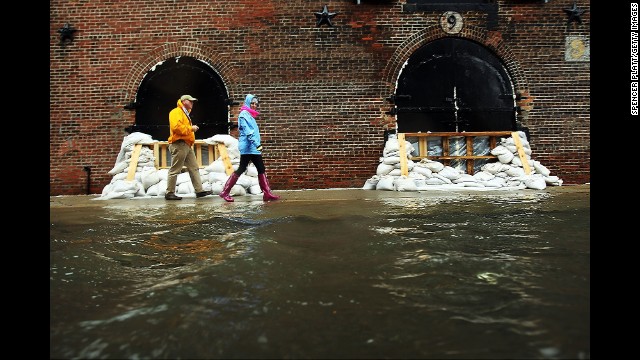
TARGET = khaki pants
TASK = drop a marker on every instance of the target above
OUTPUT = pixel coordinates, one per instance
(183, 155)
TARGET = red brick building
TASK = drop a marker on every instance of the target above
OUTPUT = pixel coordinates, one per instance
(331, 80)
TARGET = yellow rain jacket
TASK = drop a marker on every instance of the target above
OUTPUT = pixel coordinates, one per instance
(180, 126)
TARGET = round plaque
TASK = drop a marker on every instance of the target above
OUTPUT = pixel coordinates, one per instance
(451, 22)
(576, 49)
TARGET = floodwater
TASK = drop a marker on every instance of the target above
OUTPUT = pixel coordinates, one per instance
(323, 274)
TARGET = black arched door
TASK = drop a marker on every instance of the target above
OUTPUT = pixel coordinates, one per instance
(163, 85)
(454, 85)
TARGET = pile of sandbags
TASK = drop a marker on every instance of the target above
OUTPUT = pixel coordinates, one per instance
(152, 182)
(506, 174)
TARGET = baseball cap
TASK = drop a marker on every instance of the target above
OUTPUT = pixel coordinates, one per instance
(187, 97)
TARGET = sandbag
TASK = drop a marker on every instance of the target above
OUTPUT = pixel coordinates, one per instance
(404, 183)
(371, 183)
(385, 183)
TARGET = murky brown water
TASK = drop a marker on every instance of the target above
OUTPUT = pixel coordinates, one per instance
(323, 274)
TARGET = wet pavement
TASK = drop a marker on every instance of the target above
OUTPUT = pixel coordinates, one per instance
(344, 273)
(298, 198)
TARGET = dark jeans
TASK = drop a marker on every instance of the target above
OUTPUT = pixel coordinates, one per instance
(244, 162)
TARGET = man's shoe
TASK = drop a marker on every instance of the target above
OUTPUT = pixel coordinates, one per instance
(171, 196)
(204, 193)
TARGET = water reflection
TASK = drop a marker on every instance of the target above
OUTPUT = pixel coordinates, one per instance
(331, 276)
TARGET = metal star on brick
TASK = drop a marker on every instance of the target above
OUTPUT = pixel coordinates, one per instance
(324, 17)
(574, 14)
(66, 33)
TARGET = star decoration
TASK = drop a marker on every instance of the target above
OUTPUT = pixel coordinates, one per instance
(324, 17)
(574, 14)
(66, 33)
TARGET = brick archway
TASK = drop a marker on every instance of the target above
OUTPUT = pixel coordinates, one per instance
(218, 63)
(490, 39)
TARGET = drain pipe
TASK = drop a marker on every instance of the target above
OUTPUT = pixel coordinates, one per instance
(87, 168)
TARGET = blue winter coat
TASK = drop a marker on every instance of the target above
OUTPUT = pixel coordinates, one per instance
(249, 134)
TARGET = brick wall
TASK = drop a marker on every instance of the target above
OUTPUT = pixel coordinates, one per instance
(322, 89)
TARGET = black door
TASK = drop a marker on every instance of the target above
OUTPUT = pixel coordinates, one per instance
(454, 85)
(162, 87)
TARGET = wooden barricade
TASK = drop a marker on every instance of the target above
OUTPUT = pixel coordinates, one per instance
(404, 167)
(446, 156)
(222, 150)
(134, 161)
(521, 154)
(161, 155)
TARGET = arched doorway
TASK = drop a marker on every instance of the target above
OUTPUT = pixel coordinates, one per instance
(163, 85)
(454, 85)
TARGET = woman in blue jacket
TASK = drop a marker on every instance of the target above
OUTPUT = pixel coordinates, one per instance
(250, 150)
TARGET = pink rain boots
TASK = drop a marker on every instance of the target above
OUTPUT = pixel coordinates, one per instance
(266, 191)
(227, 187)
(262, 180)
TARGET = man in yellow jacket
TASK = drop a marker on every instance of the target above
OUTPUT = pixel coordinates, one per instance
(181, 139)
